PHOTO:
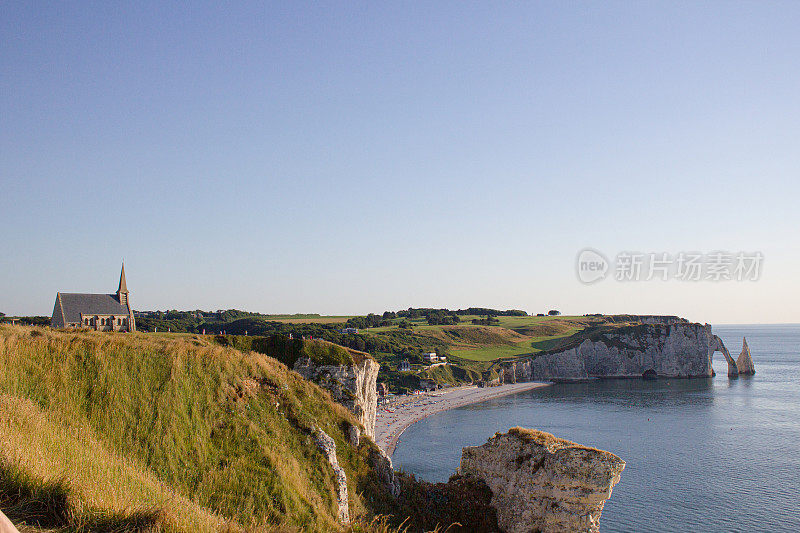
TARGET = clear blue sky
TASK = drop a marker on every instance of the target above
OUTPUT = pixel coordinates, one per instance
(353, 157)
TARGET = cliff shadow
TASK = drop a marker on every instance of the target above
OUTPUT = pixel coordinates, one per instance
(40, 504)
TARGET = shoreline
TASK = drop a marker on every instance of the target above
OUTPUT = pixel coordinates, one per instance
(393, 419)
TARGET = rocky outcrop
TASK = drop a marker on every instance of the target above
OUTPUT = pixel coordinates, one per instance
(543, 483)
(353, 386)
(328, 448)
(353, 435)
(382, 464)
(745, 361)
(510, 373)
(676, 349)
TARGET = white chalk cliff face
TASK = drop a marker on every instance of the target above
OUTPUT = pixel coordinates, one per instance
(543, 483)
(680, 349)
(353, 386)
(328, 448)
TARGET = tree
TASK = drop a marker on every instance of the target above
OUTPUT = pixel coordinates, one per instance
(553, 312)
(442, 317)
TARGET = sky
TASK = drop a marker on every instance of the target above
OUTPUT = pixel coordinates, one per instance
(345, 157)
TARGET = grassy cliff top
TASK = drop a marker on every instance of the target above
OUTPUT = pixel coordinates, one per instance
(544, 439)
(105, 431)
(288, 350)
(510, 337)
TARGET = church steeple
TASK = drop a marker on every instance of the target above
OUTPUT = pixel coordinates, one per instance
(122, 291)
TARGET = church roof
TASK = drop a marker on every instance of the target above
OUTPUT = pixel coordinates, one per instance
(73, 304)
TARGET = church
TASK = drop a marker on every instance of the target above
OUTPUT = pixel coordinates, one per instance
(100, 312)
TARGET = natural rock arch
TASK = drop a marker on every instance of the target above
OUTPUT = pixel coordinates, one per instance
(716, 345)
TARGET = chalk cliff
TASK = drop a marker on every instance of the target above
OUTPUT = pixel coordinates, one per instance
(745, 361)
(328, 448)
(542, 483)
(675, 349)
(353, 386)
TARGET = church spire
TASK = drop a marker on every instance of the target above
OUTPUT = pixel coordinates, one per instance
(123, 285)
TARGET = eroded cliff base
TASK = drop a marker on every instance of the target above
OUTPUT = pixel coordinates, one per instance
(461, 505)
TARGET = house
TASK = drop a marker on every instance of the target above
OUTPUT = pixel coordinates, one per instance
(430, 357)
(350, 330)
(404, 366)
(100, 312)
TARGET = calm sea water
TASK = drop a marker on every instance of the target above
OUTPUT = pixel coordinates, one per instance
(702, 454)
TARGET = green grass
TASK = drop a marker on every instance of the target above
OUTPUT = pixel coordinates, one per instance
(73, 480)
(512, 337)
(548, 342)
(105, 431)
(490, 353)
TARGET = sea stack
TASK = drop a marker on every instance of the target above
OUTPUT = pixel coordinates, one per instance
(745, 361)
(542, 483)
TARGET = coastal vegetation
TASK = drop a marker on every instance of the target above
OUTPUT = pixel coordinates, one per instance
(472, 339)
(216, 321)
(178, 433)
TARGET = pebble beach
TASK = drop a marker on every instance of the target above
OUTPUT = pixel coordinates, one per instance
(396, 416)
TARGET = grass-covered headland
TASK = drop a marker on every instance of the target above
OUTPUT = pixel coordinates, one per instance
(113, 432)
(473, 340)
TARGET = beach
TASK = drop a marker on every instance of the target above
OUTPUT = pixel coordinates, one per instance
(395, 417)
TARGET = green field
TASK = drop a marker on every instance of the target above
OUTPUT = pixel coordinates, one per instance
(512, 336)
(490, 353)
(526, 347)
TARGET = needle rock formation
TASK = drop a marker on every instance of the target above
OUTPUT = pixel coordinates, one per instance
(745, 362)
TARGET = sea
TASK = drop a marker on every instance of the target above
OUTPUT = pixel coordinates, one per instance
(716, 454)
